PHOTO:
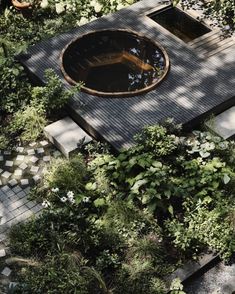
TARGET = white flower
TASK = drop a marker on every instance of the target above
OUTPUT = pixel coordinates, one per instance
(86, 199)
(55, 190)
(63, 199)
(44, 4)
(72, 200)
(97, 7)
(46, 203)
(227, 27)
(70, 194)
(223, 145)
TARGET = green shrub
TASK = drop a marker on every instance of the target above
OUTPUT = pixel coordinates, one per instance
(68, 175)
(59, 274)
(29, 122)
(14, 86)
(53, 96)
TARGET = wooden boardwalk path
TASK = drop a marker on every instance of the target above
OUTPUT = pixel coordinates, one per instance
(194, 86)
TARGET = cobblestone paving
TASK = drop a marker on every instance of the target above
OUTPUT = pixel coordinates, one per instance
(19, 170)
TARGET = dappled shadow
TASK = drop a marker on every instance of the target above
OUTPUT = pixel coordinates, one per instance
(193, 87)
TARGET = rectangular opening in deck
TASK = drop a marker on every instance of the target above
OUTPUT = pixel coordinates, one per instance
(180, 23)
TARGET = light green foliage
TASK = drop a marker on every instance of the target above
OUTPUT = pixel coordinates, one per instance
(176, 287)
(4, 141)
(29, 121)
(204, 226)
(67, 174)
(53, 96)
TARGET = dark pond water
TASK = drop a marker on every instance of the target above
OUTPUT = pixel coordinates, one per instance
(180, 24)
(114, 61)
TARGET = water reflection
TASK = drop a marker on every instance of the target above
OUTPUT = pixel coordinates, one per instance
(114, 61)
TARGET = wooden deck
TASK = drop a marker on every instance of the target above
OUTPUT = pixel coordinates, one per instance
(194, 86)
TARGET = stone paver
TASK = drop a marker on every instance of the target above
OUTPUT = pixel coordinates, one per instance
(6, 271)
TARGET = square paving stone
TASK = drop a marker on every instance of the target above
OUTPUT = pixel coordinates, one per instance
(34, 169)
(46, 158)
(0, 183)
(24, 182)
(44, 143)
(20, 157)
(40, 150)
(1, 170)
(12, 182)
(31, 152)
(7, 152)
(18, 172)
(33, 159)
(17, 189)
(23, 165)
(6, 271)
(2, 253)
(9, 163)
(1, 158)
(36, 178)
(32, 144)
(5, 188)
(20, 149)
(6, 174)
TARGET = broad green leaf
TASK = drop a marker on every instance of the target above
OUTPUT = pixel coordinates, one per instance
(171, 209)
(99, 202)
(90, 186)
(226, 179)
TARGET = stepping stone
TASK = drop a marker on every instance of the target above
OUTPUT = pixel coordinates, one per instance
(33, 159)
(37, 178)
(32, 144)
(20, 149)
(2, 253)
(31, 152)
(9, 163)
(0, 183)
(12, 182)
(44, 143)
(224, 123)
(46, 158)
(66, 135)
(34, 169)
(40, 150)
(6, 174)
(6, 271)
(1, 170)
(7, 152)
(20, 157)
(24, 182)
(23, 166)
(18, 172)
(1, 158)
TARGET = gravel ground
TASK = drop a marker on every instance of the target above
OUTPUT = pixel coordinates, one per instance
(218, 280)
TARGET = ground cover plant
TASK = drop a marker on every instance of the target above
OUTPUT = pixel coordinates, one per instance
(111, 224)
(123, 223)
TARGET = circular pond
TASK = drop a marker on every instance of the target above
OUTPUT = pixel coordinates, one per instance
(113, 63)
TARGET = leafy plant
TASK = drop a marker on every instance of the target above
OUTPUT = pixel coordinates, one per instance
(53, 96)
(29, 122)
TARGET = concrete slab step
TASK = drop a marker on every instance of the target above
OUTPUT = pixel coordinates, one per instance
(224, 123)
(66, 135)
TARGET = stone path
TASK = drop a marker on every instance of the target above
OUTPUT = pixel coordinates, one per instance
(19, 170)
